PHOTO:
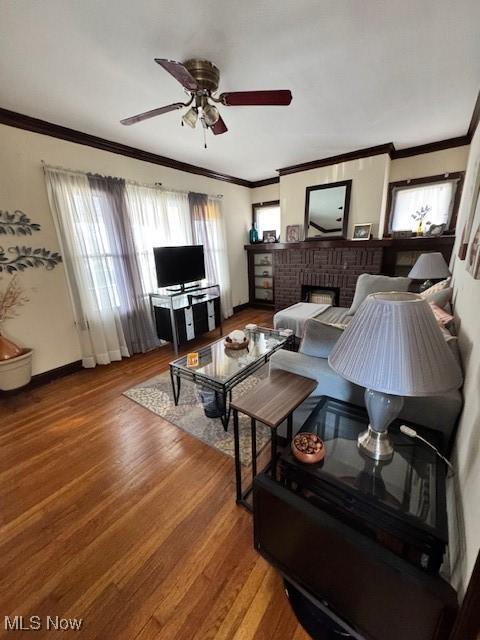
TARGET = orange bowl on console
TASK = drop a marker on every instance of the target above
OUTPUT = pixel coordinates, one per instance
(308, 447)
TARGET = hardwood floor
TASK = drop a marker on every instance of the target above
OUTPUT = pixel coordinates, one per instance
(113, 515)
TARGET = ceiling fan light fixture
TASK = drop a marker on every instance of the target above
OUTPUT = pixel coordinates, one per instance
(191, 117)
(211, 114)
(200, 79)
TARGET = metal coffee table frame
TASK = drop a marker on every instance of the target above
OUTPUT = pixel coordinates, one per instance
(224, 388)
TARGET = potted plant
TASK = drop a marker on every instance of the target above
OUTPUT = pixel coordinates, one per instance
(419, 217)
(15, 362)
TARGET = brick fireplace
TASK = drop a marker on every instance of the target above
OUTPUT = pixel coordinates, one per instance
(326, 268)
(300, 267)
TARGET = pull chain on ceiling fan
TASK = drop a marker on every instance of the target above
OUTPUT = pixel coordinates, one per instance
(200, 79)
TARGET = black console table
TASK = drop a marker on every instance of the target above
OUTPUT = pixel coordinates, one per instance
(181, 316)
(400, 503)
(361, 540)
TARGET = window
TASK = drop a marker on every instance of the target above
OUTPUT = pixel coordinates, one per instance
(267, 217)
(97, 256)
(432, 200)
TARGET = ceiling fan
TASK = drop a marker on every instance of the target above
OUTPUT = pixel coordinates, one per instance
(200, 80)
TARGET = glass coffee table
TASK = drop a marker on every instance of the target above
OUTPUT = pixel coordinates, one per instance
(220, 369)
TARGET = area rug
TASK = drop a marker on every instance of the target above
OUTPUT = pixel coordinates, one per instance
(156, 395)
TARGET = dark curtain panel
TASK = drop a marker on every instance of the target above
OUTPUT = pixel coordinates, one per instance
(115, 230)
(208, 229)
(199, 213)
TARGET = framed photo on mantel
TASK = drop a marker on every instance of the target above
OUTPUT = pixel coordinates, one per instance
(362, 231)
(270, 236)
(294, 233)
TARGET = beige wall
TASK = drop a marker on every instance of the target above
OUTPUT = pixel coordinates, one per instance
(369, 176)
(46, 323)
(429, 164)
(265, 194)
(464, 490)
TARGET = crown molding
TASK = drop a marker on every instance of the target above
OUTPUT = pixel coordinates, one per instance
(440, 145)
(21, 121)
(28, 123)
(344, 157)
(265, 182)
(475, 119)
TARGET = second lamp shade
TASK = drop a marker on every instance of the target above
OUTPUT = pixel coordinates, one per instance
(429, 266)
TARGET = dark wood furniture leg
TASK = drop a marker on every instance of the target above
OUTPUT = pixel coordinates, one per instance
(254, 447)
(289, 428)
(227, 401)
(273, 444)
(238, 465)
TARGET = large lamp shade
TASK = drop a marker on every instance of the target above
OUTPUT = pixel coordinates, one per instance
(393, 346)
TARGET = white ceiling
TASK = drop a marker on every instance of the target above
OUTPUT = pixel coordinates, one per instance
(362, 72)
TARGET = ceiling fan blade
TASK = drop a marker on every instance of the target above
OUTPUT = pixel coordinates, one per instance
(219, 127)
(179, 72)
(256, 98)
(152, 113)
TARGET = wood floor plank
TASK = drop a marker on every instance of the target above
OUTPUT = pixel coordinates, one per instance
(111, 514)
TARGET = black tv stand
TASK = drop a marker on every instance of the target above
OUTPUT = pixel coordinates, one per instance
(181, 316)
(182, 288)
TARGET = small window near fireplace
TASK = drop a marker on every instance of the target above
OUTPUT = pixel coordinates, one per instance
(266, 215)
(418, 204)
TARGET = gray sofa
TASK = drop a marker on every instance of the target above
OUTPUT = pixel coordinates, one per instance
(311, 360)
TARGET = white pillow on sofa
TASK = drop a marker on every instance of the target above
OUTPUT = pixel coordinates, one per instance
(440, 293)
(368, 283)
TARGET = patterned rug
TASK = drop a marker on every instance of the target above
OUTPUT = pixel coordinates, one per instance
(156, 395)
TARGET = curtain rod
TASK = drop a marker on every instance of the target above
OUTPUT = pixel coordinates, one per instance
(155, 185)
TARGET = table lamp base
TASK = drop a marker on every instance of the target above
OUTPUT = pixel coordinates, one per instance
(375, 444)
(382, 409)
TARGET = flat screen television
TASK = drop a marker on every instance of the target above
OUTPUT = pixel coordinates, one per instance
(179, 265)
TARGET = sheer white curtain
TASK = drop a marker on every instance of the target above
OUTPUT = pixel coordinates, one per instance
(209, 230)
(89, 262)
(158, 218)
(108, 229)
(439, 197)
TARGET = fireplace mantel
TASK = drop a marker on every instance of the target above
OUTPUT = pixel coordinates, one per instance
(334, 264)
(318, 244)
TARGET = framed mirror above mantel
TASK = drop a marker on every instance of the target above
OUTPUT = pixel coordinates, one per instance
(326, 210)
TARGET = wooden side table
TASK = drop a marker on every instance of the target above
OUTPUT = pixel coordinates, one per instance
(271, 402)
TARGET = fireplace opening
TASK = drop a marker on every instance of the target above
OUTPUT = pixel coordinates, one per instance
(320, 295)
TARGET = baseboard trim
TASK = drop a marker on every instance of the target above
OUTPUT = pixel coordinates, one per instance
(241, 307)
(47, 376)
(59, 372)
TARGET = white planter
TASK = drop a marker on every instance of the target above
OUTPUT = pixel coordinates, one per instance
(16, 372)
